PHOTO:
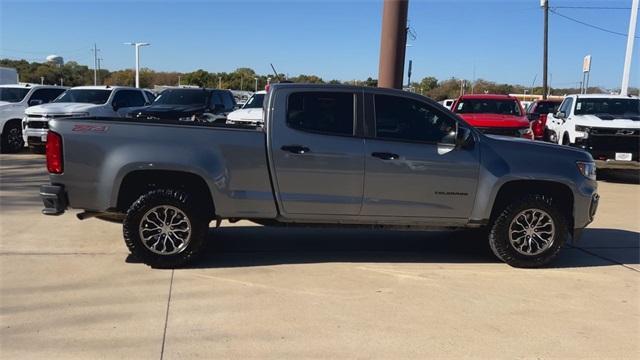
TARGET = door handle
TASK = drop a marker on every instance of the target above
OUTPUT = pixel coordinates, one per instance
(296, 149)
(385, 155)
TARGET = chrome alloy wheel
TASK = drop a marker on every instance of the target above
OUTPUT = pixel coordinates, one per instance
(165, 230)
(531, 232)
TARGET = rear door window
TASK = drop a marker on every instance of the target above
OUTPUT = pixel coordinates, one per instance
(129, 98)
(322, 112)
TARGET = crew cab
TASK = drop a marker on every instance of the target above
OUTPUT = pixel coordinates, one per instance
(493, 114)
(607, 126)
(327, 155)
(85, 101)
(251, 112)
(188, 104)
(14, 99)
(537, 113)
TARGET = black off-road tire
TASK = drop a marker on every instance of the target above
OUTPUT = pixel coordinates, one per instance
(499, 232)
(12, 141)
(179, 199)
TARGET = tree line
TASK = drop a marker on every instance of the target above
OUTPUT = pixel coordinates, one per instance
(74, 74)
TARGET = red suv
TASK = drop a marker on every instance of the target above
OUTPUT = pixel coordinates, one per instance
(538, 112)
(494, 114)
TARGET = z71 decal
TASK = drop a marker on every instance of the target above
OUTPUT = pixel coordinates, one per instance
(90, 128)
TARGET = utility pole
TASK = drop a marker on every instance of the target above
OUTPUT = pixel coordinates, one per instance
(393, 41)
(545, 56)
(219, 82)
(409, 75)
(99, 61)
(178, 80)
(137, 46)
(95, 63)
(630, 37)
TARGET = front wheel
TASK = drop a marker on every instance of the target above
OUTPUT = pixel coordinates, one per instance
(12, 140)
(529, 232)
(164, 228)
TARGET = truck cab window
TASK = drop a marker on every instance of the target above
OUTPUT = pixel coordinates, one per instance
(323, 112)
(399, 118)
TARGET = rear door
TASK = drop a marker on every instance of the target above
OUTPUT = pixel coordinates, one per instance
(413, 168)
(317, 157)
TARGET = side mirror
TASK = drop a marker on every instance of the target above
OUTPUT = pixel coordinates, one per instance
(34, 102)
(561, 115)
(464, 138)
(533, 116)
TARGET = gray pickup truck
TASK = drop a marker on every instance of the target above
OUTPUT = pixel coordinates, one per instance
(326, 156)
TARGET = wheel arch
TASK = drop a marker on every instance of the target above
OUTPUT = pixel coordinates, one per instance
(137, 182)
(561, 195)
(9, 121)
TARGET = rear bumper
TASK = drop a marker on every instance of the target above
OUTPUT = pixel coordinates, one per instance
(54, 198)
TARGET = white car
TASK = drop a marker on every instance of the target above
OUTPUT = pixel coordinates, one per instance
(14, 100)
(85, 101)
(607, 126)
(250, 113)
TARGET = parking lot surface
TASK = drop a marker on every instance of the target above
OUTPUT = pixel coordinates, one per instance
(69, 289)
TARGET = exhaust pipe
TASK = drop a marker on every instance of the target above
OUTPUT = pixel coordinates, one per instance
(86, 215)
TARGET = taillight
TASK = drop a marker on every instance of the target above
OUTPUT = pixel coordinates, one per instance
(54, 153)
(538, 128)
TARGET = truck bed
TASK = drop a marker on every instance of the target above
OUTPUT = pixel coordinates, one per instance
(99, 153)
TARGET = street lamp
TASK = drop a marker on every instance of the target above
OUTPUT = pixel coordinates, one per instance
(137, 46)
(256, 89)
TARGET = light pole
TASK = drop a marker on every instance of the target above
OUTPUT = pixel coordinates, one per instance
(629, 53)
(256, 88)
(219, 82)
(137, 46)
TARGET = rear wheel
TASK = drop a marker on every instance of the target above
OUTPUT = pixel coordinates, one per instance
(12, 140)
(164, 228)
(529, 232)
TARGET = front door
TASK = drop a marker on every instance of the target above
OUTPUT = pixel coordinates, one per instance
(317, 159)
(413, 168)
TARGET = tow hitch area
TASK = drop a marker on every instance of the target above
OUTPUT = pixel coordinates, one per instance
(54, 199)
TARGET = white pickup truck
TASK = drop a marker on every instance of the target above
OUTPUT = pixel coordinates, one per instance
(14, 100)
(251, 112)
(607, 126)
(85, 101)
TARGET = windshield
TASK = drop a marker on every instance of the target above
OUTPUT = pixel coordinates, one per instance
(547, 107)
(182, 97)
(619, 107)
(85, 96)
(254, 102)
(488, 106)
(12, 94)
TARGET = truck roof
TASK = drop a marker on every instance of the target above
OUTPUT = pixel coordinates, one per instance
(103, 87)
(486, 96)
(29, 86)
(600, 96)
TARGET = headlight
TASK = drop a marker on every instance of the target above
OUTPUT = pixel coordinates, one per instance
(587, 169)
(583, 129)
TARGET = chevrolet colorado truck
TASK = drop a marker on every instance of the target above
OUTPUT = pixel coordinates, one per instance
(325, 156)
(607, 126)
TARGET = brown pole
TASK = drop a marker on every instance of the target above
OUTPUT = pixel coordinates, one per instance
(393, 43)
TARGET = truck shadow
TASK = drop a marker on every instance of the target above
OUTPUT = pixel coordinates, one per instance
(260, 246)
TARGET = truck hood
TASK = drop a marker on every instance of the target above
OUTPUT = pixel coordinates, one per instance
(606, 122)
(254, 115)
(540, 146)
(60, 108)
(495, 120)
(2, 103)
(169, 111)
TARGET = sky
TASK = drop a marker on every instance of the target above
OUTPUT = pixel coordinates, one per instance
(497, 40)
